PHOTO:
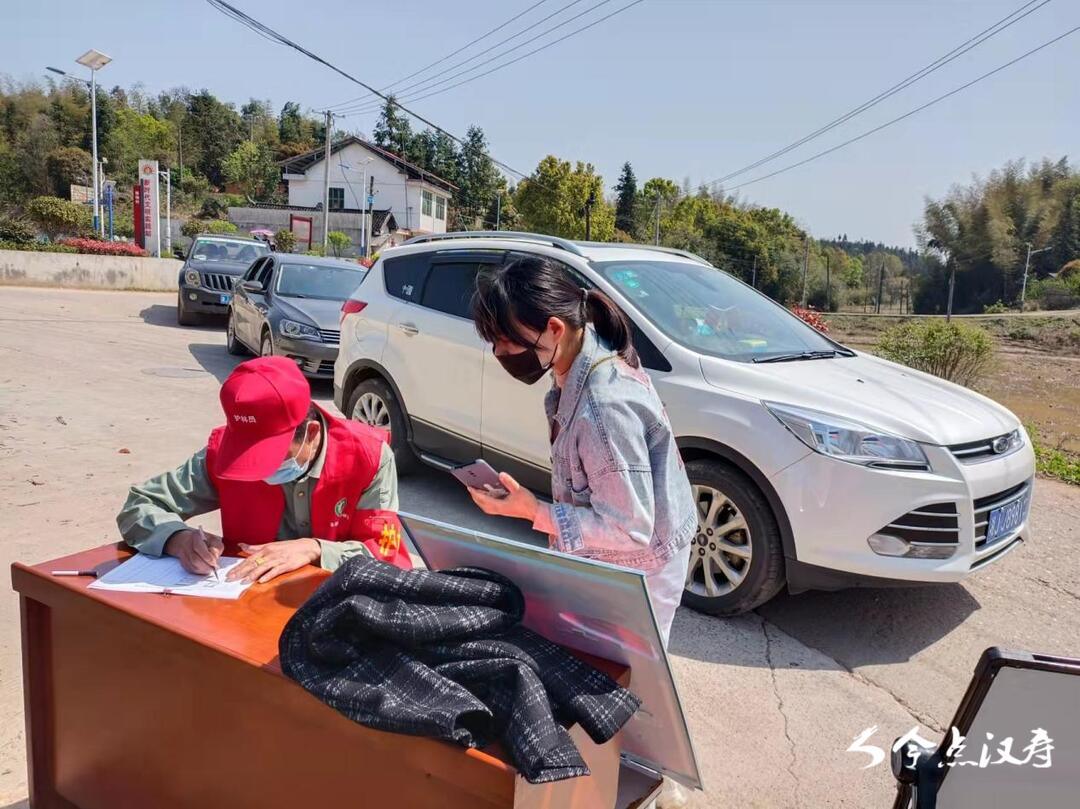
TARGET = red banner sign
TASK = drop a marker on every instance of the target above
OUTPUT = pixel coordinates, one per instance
(137, 204)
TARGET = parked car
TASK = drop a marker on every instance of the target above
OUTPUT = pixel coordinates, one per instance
(290, 306)
(812, 464)
(212, 266)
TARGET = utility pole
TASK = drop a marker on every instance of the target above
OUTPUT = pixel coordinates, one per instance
(952, 286)
(880, 285)
(498, 208)
(805, 268)
(326, 185)
(369, 203)
(1027, 264)
(180, 149)
(588, 214)
(658, 220)
(828, 283)
(168, 210)
(753, 274)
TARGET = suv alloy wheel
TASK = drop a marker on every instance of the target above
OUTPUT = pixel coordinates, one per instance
(736, 557)
(374, 403)
(232, 345)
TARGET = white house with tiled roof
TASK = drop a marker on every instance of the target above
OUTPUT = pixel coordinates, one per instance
(417, 200)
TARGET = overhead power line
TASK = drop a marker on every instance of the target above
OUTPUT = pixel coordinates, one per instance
(544, 47)
(908, 114)
(437, 62)
(269, 33)
(937, 64)
(416, 88)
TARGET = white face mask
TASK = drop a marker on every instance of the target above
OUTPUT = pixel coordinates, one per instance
(289, 470)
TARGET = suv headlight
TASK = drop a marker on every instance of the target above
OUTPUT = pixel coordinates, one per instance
(851, 441)
(298, 331)
(192, 277)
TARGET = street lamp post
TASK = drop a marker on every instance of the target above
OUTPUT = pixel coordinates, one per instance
(1027, 263)
(94, 60)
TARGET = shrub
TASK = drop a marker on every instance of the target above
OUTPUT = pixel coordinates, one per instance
(57, 216)
(1057, 293)
(315, 251)
(17, 231)
(193, 227)
(338, 241)
(1070, 270)
(954, 351)
(100, 248)
(809, 315)
(995, 308)
(37, 247)
(285, 240)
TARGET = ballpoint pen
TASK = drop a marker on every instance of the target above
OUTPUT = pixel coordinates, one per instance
(217, 573)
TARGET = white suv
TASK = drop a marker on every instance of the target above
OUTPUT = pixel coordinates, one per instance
(812, 464)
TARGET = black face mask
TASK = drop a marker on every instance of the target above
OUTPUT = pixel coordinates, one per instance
(526, 366)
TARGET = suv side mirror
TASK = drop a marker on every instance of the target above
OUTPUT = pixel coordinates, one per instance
(253, 287)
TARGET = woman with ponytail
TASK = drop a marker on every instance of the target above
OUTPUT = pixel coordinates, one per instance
(620, 490)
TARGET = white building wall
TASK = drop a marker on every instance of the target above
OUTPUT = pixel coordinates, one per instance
(347, 167)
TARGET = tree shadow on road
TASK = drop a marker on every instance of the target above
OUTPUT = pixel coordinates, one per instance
(160, 314)
(855, 627)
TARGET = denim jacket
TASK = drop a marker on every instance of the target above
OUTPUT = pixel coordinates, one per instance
(619, 486)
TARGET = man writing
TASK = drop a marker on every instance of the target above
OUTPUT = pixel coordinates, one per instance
(295, 485)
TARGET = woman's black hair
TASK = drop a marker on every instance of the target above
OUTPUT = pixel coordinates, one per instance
(529, 291)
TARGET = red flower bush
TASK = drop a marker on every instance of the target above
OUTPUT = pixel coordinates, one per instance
(104, 248)
(812, 316)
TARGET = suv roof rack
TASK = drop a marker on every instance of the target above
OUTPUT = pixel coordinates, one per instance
(674, 251)
(512, 235)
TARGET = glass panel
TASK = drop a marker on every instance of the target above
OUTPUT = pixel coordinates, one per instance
(450, 288)
(440, 207)
(213, 249)
(426, 209)
(337, 199)
(318, 281)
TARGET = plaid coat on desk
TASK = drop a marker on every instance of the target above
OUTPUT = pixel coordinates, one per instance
(443, 655)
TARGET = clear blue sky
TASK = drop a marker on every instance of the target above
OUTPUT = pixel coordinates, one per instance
(680, 88)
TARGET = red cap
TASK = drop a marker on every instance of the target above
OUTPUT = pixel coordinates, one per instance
(264, 400)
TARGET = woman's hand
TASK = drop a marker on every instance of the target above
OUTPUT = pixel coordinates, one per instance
(266, 562)
(518, 502)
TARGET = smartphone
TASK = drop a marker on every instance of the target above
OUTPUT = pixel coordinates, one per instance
(480, 475)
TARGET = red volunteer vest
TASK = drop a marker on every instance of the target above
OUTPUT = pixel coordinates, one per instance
(251, 511)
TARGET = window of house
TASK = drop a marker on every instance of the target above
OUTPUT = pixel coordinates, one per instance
(440, 207)
(337, 198)
(428, 198)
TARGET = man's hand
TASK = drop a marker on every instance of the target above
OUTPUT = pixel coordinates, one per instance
(197, 551)
(518, 502)
(266, 562)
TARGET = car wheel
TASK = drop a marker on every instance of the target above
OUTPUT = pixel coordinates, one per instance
(736, 556)
(374, 403)
(183, 316)
(232, 345)
(266, 347)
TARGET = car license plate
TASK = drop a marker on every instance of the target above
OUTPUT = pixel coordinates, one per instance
(225, 299)
(1005, 520)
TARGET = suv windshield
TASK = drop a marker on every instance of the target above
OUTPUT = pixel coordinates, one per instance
(319, 281)
(205, 249)
(707, 310)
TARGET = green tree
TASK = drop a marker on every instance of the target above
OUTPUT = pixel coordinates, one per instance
(626, 202)
(552, 200)
(68, 165)
(251, 166)
(212, 130)
(477, 178)
(58, 217)
(339, 242)
(137, 136)
(393, 131)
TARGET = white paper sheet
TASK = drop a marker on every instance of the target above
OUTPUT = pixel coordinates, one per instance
(150, 574)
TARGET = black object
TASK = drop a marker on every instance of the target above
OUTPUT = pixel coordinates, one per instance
(443, 654)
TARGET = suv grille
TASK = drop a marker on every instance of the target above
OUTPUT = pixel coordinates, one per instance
(330, 335)
(975, 450)
(984, 505)
(937, 522)
(218, 281)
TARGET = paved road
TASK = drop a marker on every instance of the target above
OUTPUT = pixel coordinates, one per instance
(774, 698)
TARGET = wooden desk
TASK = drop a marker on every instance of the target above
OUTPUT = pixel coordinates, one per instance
(140, 700)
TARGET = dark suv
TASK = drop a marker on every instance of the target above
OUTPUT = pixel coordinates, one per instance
(212, 266)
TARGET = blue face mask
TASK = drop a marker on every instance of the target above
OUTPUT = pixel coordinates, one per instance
(289, 471)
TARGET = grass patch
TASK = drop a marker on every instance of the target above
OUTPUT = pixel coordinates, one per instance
(1053, 462)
